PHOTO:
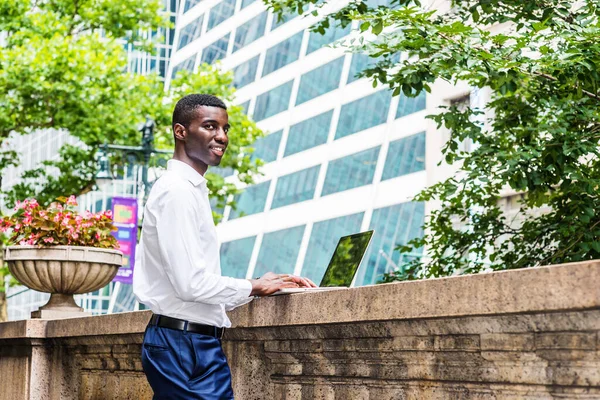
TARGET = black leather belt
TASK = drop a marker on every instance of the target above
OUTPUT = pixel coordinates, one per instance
(183, 325)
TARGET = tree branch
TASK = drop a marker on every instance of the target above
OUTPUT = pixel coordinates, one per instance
(75, 13)
(539, 74)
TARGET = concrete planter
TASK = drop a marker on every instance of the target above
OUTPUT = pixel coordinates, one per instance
(62, 271)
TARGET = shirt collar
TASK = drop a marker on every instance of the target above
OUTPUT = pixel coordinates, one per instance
(185, 171)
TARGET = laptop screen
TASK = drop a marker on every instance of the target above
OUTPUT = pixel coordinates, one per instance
(346, 259)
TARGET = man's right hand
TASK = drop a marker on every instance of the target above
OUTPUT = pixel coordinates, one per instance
(270, 283)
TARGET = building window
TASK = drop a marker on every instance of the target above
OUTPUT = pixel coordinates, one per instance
(316, 40)
(250, 31)
(273, 102)
(223, 172)
(171, 31)
(363, 113)
(171, 6)
(380, 3)
(462, 104)
(296, 187)
(246, 3)
(214, 206)
(409, 105)
(277, 21)
(309, 133)
(323, 240)
(187, 65)
(251, 201)
(282, 54)
(359, 63)
(351, 171)
(405, 156)
(245, 73)
(215, 51)
(221, 12)
(189, 4)
(235, 257)
(266, 148)
(320, 81)
(245, 106)
(190, 32)
(394, 226)
(279, 251)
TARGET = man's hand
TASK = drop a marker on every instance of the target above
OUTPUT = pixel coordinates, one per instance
(270, 282)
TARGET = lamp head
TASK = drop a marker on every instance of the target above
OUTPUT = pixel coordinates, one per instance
(103, 176)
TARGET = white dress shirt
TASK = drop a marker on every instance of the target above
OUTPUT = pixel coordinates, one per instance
(177, 268)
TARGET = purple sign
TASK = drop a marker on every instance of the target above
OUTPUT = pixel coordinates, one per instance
(125, 216)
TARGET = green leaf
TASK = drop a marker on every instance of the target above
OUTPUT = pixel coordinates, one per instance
(377, 27)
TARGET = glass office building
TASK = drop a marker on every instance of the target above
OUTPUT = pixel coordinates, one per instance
(341, 156)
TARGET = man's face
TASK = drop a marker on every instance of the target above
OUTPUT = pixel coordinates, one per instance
(206, 137)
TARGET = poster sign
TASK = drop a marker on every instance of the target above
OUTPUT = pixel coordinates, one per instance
(125, 215)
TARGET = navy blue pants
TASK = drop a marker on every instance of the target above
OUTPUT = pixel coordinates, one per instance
(183, 365)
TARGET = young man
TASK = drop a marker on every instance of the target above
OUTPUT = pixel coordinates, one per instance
(177, 271)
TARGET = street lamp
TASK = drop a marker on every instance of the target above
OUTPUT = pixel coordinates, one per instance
(103, 176)
(145, 152)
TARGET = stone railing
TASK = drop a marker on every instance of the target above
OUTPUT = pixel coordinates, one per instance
(526, 334)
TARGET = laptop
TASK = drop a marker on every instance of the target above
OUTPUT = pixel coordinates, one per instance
(343, 265)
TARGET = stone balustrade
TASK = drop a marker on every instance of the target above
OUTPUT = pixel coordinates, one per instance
(523, 334)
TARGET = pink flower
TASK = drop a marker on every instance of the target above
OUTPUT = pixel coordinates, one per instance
(30, 223)
(27, 204)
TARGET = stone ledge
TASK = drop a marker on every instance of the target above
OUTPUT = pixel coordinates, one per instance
(114, 324)
(564, 287)
(23, 329)
(524, 334)
(546, 289)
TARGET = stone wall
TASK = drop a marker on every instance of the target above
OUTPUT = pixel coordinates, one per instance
(526, 334)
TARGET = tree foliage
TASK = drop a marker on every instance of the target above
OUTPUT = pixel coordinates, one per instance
(63, 67)
(539, 134)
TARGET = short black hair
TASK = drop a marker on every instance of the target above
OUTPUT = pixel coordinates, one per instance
(185, 108)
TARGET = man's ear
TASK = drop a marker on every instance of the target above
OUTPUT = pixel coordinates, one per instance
(179, 132)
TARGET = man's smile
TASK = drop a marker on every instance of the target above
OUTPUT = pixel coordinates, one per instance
(218, 150)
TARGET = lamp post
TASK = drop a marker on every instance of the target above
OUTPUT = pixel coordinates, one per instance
(145, 152)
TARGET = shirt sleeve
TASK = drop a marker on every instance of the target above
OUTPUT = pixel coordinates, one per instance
(231, 306)
(179, 239)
